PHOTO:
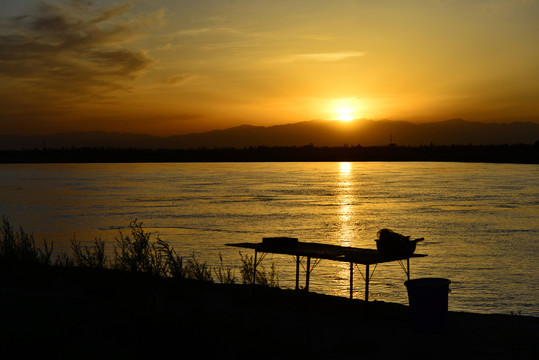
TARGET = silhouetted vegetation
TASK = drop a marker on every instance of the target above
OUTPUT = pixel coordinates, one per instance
(135, 252)
(519, 153)
(92, 256)
(262, 277)
(225, 275)
(198, 270)
(18, 248)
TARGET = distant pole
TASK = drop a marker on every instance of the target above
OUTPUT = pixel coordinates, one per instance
(391, 143)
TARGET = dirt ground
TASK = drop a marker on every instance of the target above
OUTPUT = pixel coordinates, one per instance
(82, 314)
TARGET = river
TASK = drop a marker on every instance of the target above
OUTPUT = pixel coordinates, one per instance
(479, 221)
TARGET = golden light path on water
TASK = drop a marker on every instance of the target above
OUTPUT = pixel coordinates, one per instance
(345, 198)
(348, 190)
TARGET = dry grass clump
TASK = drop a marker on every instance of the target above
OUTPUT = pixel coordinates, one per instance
(262, 276)
(135, 251)
(19, 248)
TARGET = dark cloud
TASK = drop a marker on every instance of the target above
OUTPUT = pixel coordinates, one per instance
(72, 46)
(175, 80)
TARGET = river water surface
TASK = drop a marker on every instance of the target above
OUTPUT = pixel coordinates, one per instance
(480, 221)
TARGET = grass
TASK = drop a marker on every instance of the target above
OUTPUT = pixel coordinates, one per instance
(18, 248)
(173, 263)
(225, 275)
(89, 256)
(262, 276)
(135, 252)
(198, 270)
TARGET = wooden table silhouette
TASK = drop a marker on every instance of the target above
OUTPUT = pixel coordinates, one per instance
(309, 250)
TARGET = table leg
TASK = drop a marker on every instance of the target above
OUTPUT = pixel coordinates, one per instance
(297, 272)
(367, 274)
(308, 273)
(254, 268)
(351, 280)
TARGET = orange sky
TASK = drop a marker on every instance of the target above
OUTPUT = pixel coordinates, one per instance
(174, 67)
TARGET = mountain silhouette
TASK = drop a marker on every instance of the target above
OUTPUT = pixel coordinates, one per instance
(319, 133)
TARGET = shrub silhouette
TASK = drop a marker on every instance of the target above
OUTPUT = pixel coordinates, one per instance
(18, 248)
(132, 252)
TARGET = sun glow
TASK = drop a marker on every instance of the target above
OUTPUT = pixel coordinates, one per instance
(345, 109)
(344, 115)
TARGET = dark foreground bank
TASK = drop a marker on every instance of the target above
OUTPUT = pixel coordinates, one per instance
(80, 314)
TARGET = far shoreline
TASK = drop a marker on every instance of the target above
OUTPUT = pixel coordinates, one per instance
(510, 154)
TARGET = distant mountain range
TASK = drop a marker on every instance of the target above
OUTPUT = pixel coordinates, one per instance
(316, 132)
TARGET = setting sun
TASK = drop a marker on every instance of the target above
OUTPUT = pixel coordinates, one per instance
(344, 109)
(345, 115)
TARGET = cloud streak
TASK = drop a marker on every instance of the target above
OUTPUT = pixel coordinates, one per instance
(72, 47)
(323, 57)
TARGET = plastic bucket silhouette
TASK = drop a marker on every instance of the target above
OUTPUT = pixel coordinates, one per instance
(427, 298)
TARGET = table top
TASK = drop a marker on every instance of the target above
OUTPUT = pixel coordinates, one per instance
(325, 251)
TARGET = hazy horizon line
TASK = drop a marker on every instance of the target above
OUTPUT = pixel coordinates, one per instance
(336, 121)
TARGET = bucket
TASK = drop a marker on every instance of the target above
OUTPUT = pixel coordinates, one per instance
(427, 298)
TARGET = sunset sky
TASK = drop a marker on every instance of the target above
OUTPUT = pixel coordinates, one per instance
(175, 66)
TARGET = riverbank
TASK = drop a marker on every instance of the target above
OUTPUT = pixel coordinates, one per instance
(516, 153)
(81, 313)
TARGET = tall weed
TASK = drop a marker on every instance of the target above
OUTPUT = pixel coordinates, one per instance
(173, 263)
(19, 248)
(89, 256)
(198, 270)
(262, 277)
(136, 253)
(225, 275)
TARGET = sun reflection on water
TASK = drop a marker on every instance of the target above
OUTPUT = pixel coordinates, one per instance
(345, 198)
(345, 168)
